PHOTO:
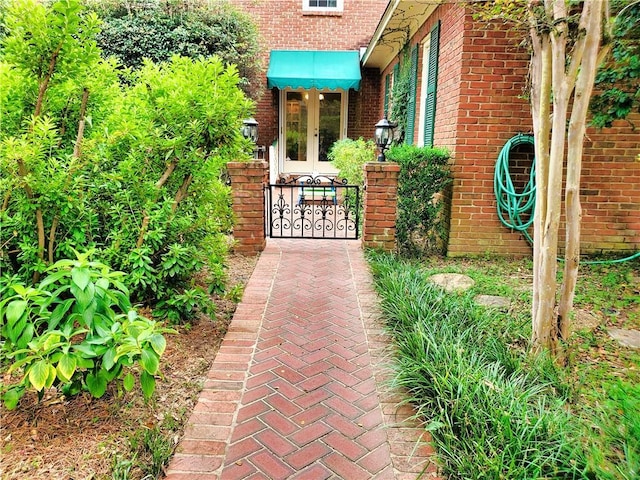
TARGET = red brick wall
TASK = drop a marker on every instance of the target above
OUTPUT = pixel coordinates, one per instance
(247, 182)
(493, 73)
(490, 112)
(283, 25)
(481, 81)
(610, 188)
(380, 206)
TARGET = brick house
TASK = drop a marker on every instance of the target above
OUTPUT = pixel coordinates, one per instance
(318, 92)
(467, 82)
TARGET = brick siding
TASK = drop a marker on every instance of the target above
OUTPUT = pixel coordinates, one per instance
(480, 106)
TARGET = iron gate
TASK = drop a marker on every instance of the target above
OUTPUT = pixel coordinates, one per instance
(313, 206)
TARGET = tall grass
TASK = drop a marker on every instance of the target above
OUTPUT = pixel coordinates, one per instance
(494, 412)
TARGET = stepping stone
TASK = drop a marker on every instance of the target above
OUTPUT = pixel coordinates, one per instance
(626, 338)
(452, 282)
(494, 301)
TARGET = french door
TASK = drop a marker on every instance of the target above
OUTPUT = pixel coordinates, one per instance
(312, 121)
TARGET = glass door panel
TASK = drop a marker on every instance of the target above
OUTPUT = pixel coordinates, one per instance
(329, 122)
(313, 122)
(296, 127)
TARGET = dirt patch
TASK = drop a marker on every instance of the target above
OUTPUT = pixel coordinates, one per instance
(81, 438)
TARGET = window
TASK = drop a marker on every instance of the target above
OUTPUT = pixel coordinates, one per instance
(322, 5)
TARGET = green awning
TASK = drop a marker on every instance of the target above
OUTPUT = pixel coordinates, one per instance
(324, 70)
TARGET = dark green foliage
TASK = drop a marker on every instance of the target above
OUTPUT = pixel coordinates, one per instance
(492, 412)
(618, 80)
(133, 31)
(424, 176)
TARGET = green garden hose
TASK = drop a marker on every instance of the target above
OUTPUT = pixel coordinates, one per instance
(516, 209)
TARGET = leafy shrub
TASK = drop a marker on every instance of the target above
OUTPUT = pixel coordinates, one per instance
(349, 157)
(76, 330)
(134, 31)
(424, 176)
(131, 170)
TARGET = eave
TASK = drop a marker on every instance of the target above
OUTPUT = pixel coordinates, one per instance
(399, 23)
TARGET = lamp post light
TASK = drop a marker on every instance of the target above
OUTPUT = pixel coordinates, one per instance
(250, 129)
(384, 136)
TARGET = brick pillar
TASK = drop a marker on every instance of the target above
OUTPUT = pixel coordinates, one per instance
(247, 192)
(380, 206)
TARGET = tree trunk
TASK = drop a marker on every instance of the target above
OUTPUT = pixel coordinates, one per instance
(146, 219)
(553, 80)
(590, 22)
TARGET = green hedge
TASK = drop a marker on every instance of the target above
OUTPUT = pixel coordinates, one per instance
(422, 225)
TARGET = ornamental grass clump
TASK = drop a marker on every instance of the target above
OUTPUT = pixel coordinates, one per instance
(491, 415)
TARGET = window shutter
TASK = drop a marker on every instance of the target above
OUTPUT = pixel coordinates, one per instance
(387, 88)
(432, 83)
(411, 106)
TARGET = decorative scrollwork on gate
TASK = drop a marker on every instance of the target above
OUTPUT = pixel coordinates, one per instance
(313, 206)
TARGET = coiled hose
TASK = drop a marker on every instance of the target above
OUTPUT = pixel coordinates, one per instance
(516, 209)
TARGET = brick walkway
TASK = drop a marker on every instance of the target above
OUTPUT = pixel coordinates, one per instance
(297, 389)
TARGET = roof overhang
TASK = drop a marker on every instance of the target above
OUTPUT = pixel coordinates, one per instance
(399, 23)
(321, 69)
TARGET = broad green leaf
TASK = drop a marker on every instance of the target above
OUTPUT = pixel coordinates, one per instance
(14, 331)
(84, 297)
(81, 277)
(96, 385)
(148, 384)
(51, 375)
(128, 382)
(158, 343)
(103, 284)
(88, 314)
(15, 310)
(27, 335)
(12, 397)
(108, 359)
(66, 367)
(38, 374)
(85, 349)
(58, 313)
(53, 277)
(20, 290)
(149, 361)
(50, 341)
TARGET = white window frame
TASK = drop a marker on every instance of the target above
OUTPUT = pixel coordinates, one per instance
(426, 48)
(338, 8)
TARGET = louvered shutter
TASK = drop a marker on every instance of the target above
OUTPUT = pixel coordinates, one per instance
(432, 83)
(411, 105)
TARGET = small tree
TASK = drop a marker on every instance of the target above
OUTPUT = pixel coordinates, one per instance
(569, 40)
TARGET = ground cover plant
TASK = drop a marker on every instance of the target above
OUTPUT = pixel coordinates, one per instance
(496, 410)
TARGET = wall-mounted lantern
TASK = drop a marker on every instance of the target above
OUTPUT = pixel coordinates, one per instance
(384, 136)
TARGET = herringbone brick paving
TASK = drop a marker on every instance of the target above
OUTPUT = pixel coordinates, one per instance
(297, 388)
